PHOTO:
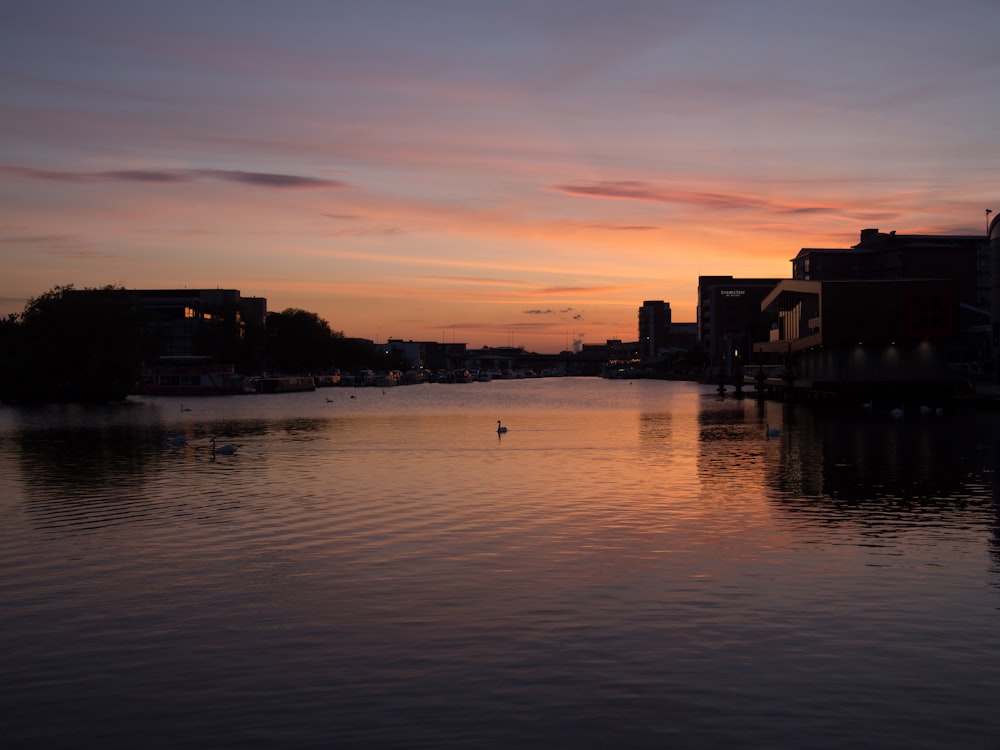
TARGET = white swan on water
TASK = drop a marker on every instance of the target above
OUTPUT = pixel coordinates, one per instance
(500, 428)
(223, 450)
(771, 432)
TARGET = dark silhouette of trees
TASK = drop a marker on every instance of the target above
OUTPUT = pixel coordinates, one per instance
(354, 354)
(10, 355)
(299, 341)
(71, 345)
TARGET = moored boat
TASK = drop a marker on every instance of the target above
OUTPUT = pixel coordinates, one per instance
(285, 384)
(328, 379)
(192, 376)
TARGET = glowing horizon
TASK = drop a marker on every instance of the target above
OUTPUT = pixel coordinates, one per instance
(521, 173)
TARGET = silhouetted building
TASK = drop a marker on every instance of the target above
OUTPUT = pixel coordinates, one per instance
(729, 316)
(218, 324)
(618, 358)
(654, 328)
(880, 256)
(682, 337)
(413, 351)
(863, 337)
(442, 356)
(965, 260)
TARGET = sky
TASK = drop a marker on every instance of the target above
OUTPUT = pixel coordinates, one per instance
(494, 173)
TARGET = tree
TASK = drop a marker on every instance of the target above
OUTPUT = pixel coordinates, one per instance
(11, 363)
(71, 345)
(299, 341)
(354, 354)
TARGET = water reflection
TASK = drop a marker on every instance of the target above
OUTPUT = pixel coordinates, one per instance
(85, 468)
(871, 477)
(634, 556)
(854, 458)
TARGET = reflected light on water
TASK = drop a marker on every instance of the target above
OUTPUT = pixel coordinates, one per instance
(632, 564)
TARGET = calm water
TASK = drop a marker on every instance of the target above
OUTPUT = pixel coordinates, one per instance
(631, 565)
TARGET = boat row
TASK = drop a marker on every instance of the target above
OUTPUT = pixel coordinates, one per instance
(194, 376)
(188, 376)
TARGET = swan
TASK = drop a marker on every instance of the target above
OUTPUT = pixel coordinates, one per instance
(177, 440)
(896, 413)
(771, 432)
(223, 450)
(184, 408)
(500, 428)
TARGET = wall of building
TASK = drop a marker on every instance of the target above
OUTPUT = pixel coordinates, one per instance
(883, 256)
(729, 314)
(654, 327)
(869, 368)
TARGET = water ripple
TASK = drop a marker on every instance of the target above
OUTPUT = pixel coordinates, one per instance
(631, 564)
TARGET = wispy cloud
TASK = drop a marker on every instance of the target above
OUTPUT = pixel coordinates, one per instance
(643, 191)
(266, 179)
(479, 280)
(66, 245)
(570, 290)
(625, 227)
(127, 175)
(508, 326)
(565, 311)
(637, 190)
(812, 210)
(383, 231)
(256, 179)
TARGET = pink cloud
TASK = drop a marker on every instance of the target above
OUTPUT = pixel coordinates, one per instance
(567, 290)
(642, 191)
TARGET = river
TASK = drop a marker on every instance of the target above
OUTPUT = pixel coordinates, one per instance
(633, 564)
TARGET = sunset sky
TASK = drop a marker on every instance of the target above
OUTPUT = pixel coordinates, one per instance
(490, 172)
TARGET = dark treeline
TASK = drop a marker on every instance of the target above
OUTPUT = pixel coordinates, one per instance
(69, 347)
(91, 346)
(299, 341)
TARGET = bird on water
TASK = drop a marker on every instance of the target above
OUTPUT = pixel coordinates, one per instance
(223, 450)
(771, 432)
(500, 428)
